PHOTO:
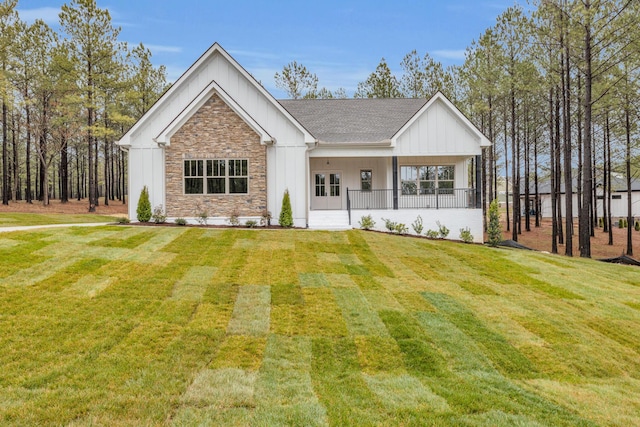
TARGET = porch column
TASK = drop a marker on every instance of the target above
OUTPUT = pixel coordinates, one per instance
(394, 174)
(478, 182)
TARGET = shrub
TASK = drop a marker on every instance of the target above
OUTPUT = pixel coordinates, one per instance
(123, 220)
(637, 225)
(202, 216)
(465, 235)
(180, 221)
(367, 222)
(143, 212)
(621, 223)
(442, 230)
(265, 219)
(432, 234)
(251, 223)
(417, 225)
(286, 216)
(493, 230)
(158, 216)
(389, 225)
(600, 222)
(401, 228)
(234, 219)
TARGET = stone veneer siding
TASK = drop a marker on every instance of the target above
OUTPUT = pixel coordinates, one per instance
(215, 131)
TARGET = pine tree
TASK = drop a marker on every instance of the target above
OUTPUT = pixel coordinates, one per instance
(144, 206)
(286, 216)
(493, 230)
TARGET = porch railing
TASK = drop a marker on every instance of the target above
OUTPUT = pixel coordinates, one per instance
(443, 198)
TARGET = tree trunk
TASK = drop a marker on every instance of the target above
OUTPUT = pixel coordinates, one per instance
(568, 176)
(552, 176)
(29, 195)
(628, 170)
(584, 225)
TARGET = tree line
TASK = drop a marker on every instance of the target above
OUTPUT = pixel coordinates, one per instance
(67, 96)
(556, 88)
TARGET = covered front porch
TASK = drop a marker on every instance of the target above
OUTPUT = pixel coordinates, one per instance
(392, 182)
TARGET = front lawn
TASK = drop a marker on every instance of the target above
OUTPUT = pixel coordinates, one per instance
(14, 219)
(187, 326)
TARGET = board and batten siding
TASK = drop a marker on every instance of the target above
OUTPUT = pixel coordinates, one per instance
(437, 132)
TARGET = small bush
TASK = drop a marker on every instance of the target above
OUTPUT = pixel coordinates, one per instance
(286, 215)
(417, 225)
(401, 228)
(159, 216)
(465, 235)
(234, 218)
(123, 220)
(367, 222)
(432, 234)
(442, 230)
(600, 222)
(202, 217)
(180, 221)
(265, 218)
(621, 223)
(251, 223)
(389, 225)
(493, 230)
(637, 225)
(143, 212)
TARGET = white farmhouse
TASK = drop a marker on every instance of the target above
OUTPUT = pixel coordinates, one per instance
(218, 142)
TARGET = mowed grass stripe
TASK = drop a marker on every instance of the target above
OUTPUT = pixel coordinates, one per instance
(284, 388)
(251, 312)
(194, 283)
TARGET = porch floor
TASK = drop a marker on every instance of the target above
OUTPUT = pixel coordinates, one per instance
(329, 220)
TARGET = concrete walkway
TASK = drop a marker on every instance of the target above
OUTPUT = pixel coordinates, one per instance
(34, 227)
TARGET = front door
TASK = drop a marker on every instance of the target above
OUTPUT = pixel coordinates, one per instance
(326, 190)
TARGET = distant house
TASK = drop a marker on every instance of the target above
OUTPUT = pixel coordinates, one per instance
(618, 197)
(218, 142)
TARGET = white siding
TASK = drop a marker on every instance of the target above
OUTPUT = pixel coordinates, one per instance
(437, 132)
(146, 167)
(453, 219)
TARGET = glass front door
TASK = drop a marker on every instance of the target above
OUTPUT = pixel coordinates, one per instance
(327, 190)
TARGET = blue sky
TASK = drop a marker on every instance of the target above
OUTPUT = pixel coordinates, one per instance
(341, 41)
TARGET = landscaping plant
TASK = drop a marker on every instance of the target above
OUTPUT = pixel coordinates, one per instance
(417, 225)
(494, 231)
(143, 211)
(286, 215)
(159, 216)
(367, 222)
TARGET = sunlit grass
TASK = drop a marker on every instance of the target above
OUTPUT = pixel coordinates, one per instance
(15, 219)
(186, 326)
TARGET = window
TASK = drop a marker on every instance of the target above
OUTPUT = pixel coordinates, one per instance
(426, 179)
(222, 176)
(320, 191)
(366, 181)
(334, 184)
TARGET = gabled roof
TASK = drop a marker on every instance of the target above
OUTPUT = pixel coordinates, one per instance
(439, 96)
(125, 141)
(365, 121)
(165, 136)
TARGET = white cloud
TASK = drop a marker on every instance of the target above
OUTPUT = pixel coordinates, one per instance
(47, 14)
(457, 54)
(157, 48)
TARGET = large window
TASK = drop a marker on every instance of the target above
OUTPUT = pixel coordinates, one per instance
(425, 179)
(218, 176)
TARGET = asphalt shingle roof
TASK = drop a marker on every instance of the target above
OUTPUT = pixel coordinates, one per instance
(353, 120)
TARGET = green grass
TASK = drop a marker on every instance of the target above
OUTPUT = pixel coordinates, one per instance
(14, 219)
(184, 326)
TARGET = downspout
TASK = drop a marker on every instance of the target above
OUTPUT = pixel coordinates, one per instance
(307, 180)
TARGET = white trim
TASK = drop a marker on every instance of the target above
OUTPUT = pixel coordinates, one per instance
(484, 141)
(125, 141)
(164, 138)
